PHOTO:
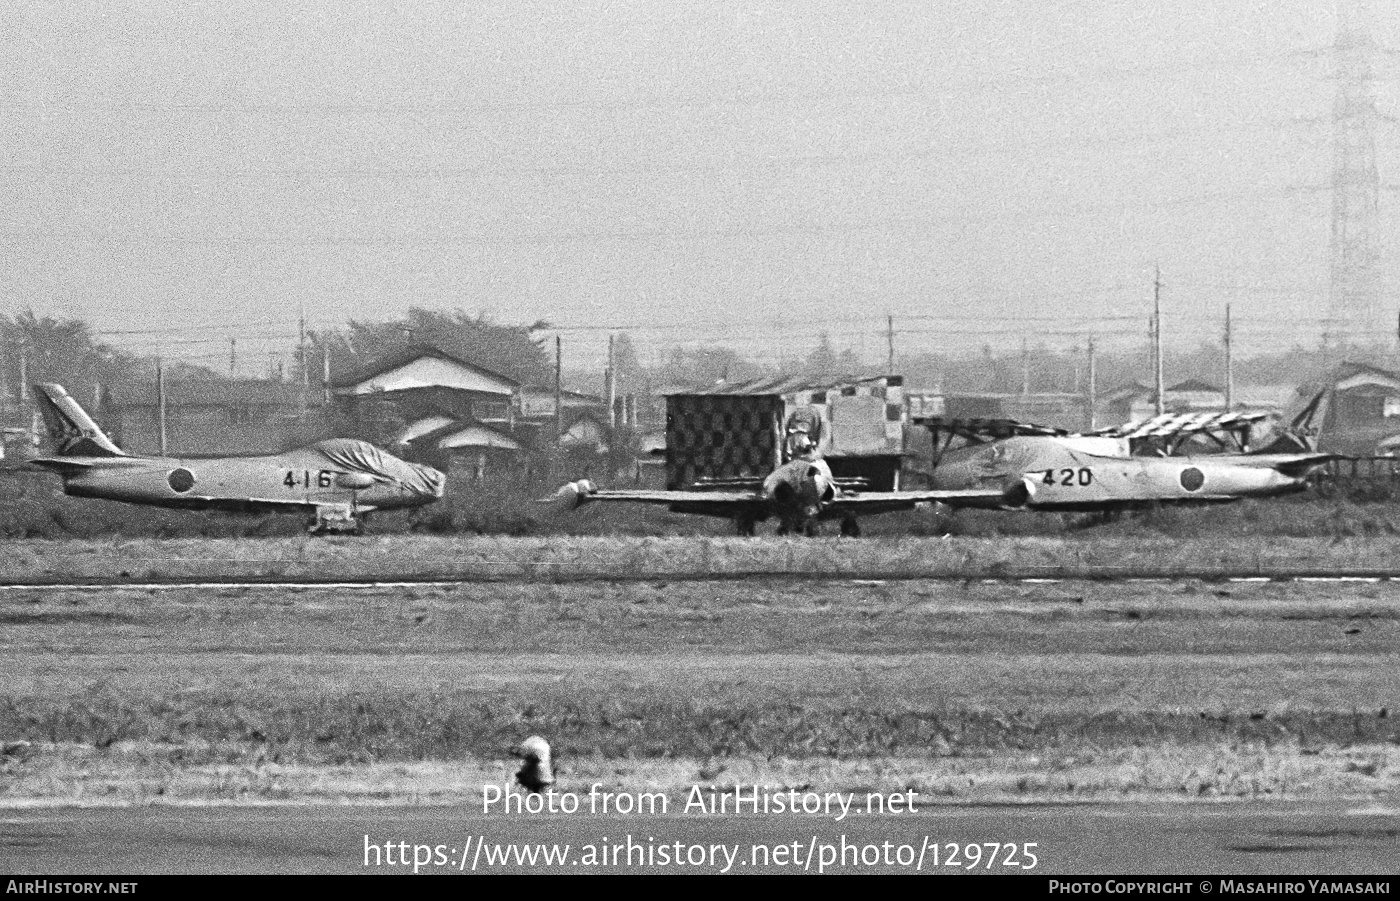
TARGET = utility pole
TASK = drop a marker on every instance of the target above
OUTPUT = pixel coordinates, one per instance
(326, 374)
(1157, 339)
(558, 391)
(160, 402)
(610, 380)
(302, 362)
(32, 436)
(1025, 367)
(1093, 385)
(889, 338)
(1229, 364)
(232, 356)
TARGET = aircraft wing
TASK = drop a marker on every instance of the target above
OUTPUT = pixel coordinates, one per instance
(738, 483)
(255, 503)
(868, 502)
(705, 503)
(237, 504)
(671, 497)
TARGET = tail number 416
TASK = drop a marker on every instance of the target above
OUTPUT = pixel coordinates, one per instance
(1067, 477)
(305, 478)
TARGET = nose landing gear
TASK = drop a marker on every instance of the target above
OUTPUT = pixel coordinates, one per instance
(805, 523)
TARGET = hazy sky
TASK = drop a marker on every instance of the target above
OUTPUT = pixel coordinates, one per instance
(744, 172)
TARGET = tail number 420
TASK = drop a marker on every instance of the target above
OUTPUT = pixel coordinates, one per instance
(1067, 477)
(303, 479)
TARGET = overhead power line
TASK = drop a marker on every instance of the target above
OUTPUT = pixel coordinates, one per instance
(783, 99)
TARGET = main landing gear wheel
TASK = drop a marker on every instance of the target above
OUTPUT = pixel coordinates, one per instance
(744, 527)
(850, 528)
(336, 520)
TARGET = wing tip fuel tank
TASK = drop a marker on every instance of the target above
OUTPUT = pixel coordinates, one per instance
(571, 496)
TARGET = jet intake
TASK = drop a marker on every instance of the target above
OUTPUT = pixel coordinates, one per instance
(1018, 494)
(817, 486)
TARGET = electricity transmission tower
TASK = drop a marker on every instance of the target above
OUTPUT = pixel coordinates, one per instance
(1355, 272)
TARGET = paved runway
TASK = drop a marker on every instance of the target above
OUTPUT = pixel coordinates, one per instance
(1219, 839)
(97, 586)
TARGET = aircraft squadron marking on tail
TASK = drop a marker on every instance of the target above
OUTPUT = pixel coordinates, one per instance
(336, 480)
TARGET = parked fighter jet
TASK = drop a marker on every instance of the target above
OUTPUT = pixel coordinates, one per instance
(1060, 472)
(800, 494)
(335, 480)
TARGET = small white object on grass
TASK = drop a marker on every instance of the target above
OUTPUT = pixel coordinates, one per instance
(537, 773)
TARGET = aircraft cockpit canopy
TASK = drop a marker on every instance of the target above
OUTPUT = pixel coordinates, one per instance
(361, 456)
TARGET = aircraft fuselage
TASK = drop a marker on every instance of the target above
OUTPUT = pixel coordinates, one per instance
(1059, 477)
(299, 478)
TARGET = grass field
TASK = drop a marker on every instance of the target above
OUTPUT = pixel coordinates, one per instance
(960, 690)
(32, 505)
(564, 558)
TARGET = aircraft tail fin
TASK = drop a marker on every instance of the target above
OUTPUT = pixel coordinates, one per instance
(1301, 433)
(73, 432)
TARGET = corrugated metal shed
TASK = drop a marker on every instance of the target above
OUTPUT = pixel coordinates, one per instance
(1172, 424)
(788, 385)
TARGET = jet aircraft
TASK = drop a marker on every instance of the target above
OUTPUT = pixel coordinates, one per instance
(799, 494)
(336, 480)
(1097, 473)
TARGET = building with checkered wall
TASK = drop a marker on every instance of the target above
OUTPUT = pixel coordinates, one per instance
(737, 431)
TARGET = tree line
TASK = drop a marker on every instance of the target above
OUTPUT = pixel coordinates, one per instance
(37, 348)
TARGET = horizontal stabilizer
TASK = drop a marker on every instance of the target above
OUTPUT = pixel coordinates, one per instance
(711, 502)
(59, 464)
(889, 501)
(1304, 464)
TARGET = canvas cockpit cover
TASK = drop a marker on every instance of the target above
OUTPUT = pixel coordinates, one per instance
(361, 456)
(1010, 458)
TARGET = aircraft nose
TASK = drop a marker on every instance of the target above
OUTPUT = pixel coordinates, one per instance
(435, 480)
(818, 486)
(1019, 493)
